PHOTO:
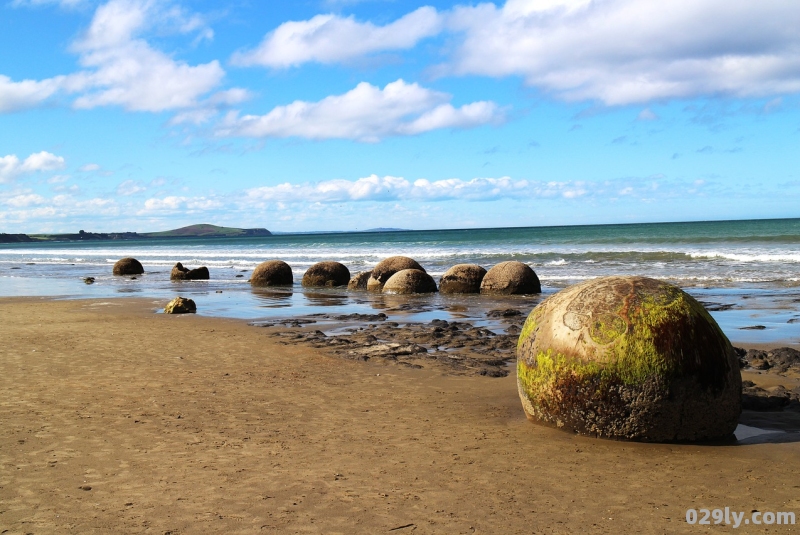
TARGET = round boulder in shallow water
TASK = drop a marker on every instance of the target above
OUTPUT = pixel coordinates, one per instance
(410, 281)
(180, 273)
(180, 305)
(511, 278)
(628, 358)
(272, 273)
(462, 279)
(388, 267)
(326, 274)
(359, 281)
(128, 266)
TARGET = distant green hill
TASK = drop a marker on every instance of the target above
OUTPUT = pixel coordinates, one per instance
(204, 230)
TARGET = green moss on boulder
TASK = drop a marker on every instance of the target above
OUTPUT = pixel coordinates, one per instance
(631, 358)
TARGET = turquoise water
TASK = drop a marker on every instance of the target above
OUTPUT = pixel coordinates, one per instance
(755, 264)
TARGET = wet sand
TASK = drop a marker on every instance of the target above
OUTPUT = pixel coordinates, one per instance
(118, 420)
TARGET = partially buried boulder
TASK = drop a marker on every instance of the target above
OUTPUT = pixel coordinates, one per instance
(359, 281)
(272, 273)
(462, 279)
(388, 267)
(628, 358)
(179, 305)
(410, 281)
(511, 278)
(180, 273)
(326, 274)
(128, 266)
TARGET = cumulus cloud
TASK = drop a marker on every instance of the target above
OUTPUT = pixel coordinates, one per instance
(633, 51)
(15, 96)
(365, 113)
(174, 203)
(331, 39)
(11, 166)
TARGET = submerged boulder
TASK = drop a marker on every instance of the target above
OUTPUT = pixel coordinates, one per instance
(511, 278)
(410, 281)
(272, 273)
(359, 281)
(326, 274)
(628, 358)
(180, 273)
(128, 266)
(462, 279)
(180, 305)
(388, 267)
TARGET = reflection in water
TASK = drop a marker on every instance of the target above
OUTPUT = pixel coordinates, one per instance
(273, 297)
(324, 298)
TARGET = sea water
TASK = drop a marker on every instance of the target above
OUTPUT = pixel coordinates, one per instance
(748, 272)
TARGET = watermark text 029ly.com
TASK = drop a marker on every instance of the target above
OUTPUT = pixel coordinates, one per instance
(738, 518)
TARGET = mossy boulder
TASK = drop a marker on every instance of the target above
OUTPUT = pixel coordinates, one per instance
(628, 358)
(180, 273)
(326, 274)
(359, 281)
(180, 305)
(272, 273)
(128, 266)
(462, 279)
(388, 267)
(511, 278)
(410, 281)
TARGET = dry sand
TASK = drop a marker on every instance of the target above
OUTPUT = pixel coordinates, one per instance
(186, 424)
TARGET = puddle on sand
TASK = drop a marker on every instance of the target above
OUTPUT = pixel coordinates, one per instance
(746, 434)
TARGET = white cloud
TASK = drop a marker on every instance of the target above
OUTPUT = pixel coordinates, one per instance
(130, 187)
(11, 166)
(634, 51)
(89, 167)
(365, 113)
(174, 203)
(647, 115)
(331, 39)
(15, 96)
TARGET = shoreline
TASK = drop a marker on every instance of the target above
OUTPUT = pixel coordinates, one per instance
(120, 420)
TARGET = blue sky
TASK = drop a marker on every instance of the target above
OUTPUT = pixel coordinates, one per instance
(146, 115)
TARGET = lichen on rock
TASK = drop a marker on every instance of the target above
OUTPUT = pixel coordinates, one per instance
(628, 357)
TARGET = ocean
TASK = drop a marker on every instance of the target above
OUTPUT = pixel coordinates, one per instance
(746, 272)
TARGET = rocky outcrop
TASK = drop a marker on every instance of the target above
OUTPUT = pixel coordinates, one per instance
(180, 273)
(410, 281)
(128, 266)
(180, 305)
(462, 279)
(272, 273)
(328, 274)
(628, 358)
(510, 278)
(359, 281)
(387, 268)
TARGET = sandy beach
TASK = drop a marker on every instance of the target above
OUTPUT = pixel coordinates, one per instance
(119, 420)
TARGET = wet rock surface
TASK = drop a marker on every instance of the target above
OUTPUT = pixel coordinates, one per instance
(455, 347)
(778, 360)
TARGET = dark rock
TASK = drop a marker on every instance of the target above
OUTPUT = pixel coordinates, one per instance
(272, 273)
(462, 279)
(507, 278)
(180, 273)
(359, 281)
(180, 305)
(410, 281)
(88, 280)
(328, 274)
(128, 266)
(388, 267)
(780, 359)
(504, 313)
(753, 328)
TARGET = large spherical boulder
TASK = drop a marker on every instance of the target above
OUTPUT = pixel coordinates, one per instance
(359, 281)
(388, 267)
(272, 273)
(180, 273)
(128, 266)
(180, 305)
(509, 278)
(462, 279)
(326, 274)
(410, 281)
(628, 358)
